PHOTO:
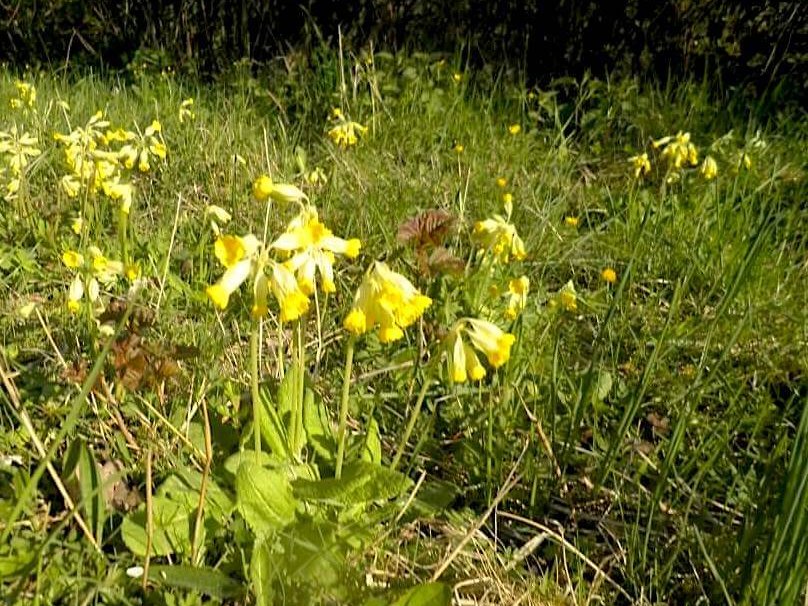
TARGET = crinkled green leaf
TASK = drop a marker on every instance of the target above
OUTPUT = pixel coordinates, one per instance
(264, 498)
(361, 482)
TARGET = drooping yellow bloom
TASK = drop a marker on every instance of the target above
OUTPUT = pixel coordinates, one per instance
(457, 77)
(677, 150)
(314, 247)
(502, 182)
(244, 258)
(77, 224)
(459, 148)
(609, 275)
(514, 129)
(72, 259)
(217, 215)
(385, 299)
(26, 95)
(185, 112)
(122, 192)
(500, 238)
(150, 145)
(18, 148)
(572, 221)
(346, 132)
(566, 298)
(264, 189)
(641, 164)
(485, 337)
(709, 168)
(105, 269)
(517, 296)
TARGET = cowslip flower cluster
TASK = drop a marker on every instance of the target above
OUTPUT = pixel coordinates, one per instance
(26, 96)
(387, 299)
(499, 237)
(641, 165)
(709, 168)
(313, 248)
(345, 133)
(16, 150)
(90, 269)
(566, 298)
(518, 289)
(243, 258)
(185, 111)
(484, 337)
(677, 150)
(265, 189)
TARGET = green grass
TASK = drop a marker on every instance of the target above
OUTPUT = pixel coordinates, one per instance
(656, 435)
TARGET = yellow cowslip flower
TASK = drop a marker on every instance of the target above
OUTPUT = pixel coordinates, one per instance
(72, 259)
(499, 237)
(502, 182)
(459, 148)
(106, 270)
(678, 150)
(243, 258)
(517, 296)
(143, 148)
(26, 95)
(19, 148)
(709, 168)
(457, 77)
(746, 161)
(462, 359)
(70, 185)
(572, 221)
(609, 275)
(185, 112)
(387, 299)
(507, 202)
(641, 164)
(77, 224)
(487, 338)
(264, 189)
(79, 287)
(314, 247)
(514, 129)
(122, 192)
(566, 298)
(217, 215)
(346, 132)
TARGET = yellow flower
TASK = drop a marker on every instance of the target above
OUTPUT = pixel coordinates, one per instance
(457, 77)
(459, 148)
(76, 225)
(314, 247)
(709, 168)
(122, 192)
(572, 221)
(106, 270)
(609, 275)
(75, 293)
(641, 164)
(217, 215)
(517, 296)
(230, 250)
(502, 181)
(462, 359)
(72, 259)
(514, 129)
(490, 340)
(26, 95)
(387, 299)
(264, 189)
(292, 300)
(567, 297)
(678, 150)
(499, 237)
(346, 132)
(185, 112)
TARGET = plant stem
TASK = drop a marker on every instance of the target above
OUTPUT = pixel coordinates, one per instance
(256, 396)
(343, 407)
(416, 411)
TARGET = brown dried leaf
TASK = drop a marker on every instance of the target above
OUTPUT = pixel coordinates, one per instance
(430, 227)
(443, 261)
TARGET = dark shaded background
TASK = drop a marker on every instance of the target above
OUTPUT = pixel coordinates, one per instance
(760, 44)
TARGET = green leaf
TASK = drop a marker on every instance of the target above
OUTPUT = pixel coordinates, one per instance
(183, 486)
(264, 498)
(273, 430)
(372, 450)
(83, 479)
(361, 482)
(429, 594)
(318, 429)
(261, 567)
(288, 395)
(202, 580)
(264, 459)
(172, 528)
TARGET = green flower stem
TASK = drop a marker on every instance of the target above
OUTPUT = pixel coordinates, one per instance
(122, 236)
(296, 421)
(343, 407)
(416, 411)
(256, 396)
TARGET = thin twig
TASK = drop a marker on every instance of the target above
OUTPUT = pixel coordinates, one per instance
(168, 254)
(149, 518)
(203, 487)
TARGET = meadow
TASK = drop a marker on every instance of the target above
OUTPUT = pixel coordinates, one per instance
(383, 329)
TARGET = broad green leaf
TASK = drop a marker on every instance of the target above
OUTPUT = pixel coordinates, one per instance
(264, 498)
(361, 482)
(429, 594)
(261, 572)
(372, 450)
(202, 580)
(82, 477)
(273, 430)
(318, 429)
(183, 486)
(172, 528)
(264, 459)
(288, 394)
